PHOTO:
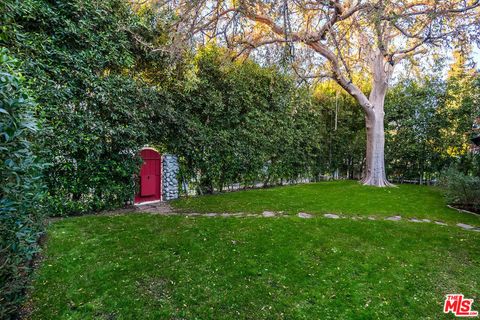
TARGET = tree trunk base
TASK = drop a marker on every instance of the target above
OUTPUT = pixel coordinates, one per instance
(376, 182)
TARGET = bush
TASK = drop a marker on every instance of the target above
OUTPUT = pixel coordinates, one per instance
(462, 191)
(21, 190)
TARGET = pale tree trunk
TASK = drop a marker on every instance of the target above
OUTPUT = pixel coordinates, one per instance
(374, 174)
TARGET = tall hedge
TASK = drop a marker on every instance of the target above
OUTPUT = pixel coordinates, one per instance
(21, 189)
(79, 58)
(240, 122)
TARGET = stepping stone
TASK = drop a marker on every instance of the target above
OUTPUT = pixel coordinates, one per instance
(415, 220)
(441, 223)
(227, 215)
(426, 220)
(371, 218)
(268, 214)
(394, 218)
(210, 215)
(465, 226)
(331, 216)
(304, 215)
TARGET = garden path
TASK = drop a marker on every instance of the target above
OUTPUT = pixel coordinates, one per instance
(163, 208)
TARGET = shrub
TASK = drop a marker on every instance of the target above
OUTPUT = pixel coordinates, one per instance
(21, 189)
(462, 191)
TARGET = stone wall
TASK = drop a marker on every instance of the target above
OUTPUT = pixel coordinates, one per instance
(170, 177)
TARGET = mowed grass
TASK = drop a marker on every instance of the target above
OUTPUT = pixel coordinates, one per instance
(342, 197)
(141, 266)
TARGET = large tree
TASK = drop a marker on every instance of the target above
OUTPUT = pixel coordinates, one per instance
(336, 39)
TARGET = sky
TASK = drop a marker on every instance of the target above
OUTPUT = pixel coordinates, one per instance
(476, 56)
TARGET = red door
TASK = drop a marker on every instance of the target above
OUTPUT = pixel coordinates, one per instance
(150, 177)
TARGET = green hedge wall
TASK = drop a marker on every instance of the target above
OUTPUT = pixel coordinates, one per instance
(21, 189)
(240, 122)
(79, 58)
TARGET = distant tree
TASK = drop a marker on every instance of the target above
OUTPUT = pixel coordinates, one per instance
(413, 125)
(429, 119)
(462, 103)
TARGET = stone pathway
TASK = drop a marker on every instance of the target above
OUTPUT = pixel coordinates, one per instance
(163, 208)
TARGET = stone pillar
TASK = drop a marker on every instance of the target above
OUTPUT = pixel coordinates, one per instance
(170, 177)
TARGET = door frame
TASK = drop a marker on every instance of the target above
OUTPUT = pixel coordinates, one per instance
(161, 179)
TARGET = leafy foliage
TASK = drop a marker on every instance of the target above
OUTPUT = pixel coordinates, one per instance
(79, 57)
(21, 189)
(345, 137)
(413, 125)
(428, 124)
(244, 123)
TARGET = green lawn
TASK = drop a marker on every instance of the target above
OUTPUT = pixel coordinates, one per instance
(141, 266)
(343, 197)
